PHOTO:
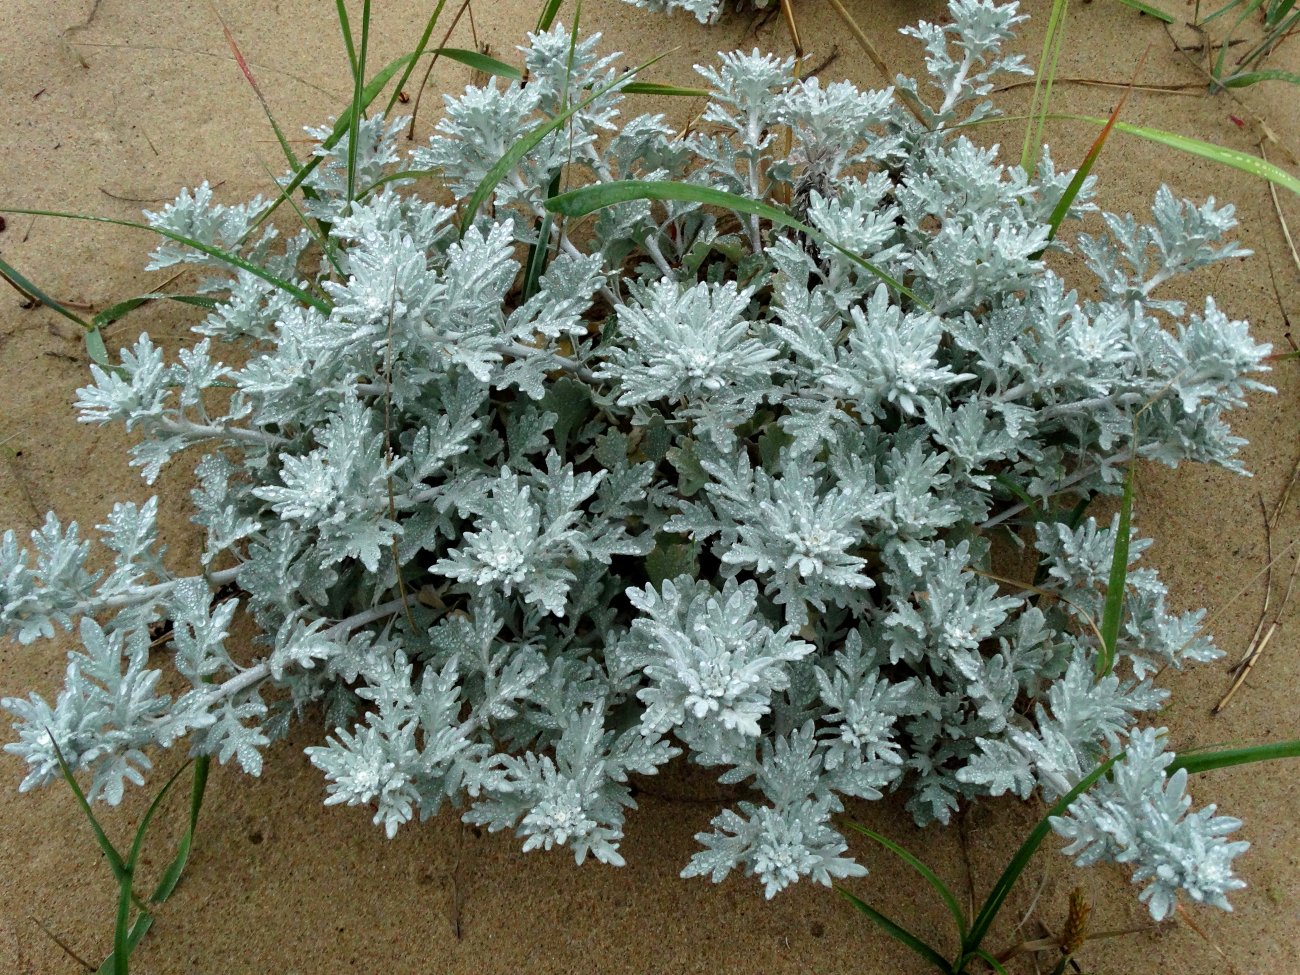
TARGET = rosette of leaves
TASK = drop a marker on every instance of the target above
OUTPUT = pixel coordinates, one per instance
(523, 506)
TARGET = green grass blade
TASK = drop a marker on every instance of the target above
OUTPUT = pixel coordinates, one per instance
(358, 110)
(1150, 11)
(1223, 758)
(172, 875)
(993, 963)
(120, 961)
(1248, 8)
(654, 88)
(1042, 97)
(1242, 161)
(115, 862)
(579, 202)
(1020, 493)
(480, 62)
(1255, 77)
(1081, 174)
(1230, 5)
(926, 873)
(1116, 583)
(548, 14)
(899, 933)
(526, 144)
(345, 25)
(139, 929)
(500, 69)
(117, 312)
(94, 339)
(418, 53)
(12, 275)
(138, 843)
(538, 253)
(232, 259)
(998, 895)
(341, 128)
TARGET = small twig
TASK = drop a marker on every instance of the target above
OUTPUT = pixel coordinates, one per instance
(419, 93)
(964, 837)
(67, 950)
(1266, 627)
(136, 199)
(77, 29)
(1186, 89)
(1277, 207)
(457, 891)
(826, 62)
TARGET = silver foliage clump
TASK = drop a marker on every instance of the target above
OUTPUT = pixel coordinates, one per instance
(517, 530)
(705, 11)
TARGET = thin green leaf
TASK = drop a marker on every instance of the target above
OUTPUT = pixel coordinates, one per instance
(418, 53)
(579, 202)
(96, 349)
(1208, 761)
(1243, 161)
(547, 16)
(926, 873)
(1149, 10)
(1255, 77)
(358, 110)
(120, 310)
(121, 957)
(998, 895)
(654, 88)
(993, 963)
(345, 25)
(525, 145)
(480, 62)
(538, 252)
(1116, 583)
(115, 862)
(139, 929)
(232, 259)
(1081, 174)
(899, 933)
(11, 274)
(1047, 61)
(137, 844)
(341, 128)
(1020, 493)
(172, 875)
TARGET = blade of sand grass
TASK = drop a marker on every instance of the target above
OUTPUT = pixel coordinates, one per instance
(1117, 582)
(415, 56)
(225, 256)
(1043, 81)
(526, 144)
(1150, 11)
(1235, 158)
(341, 127)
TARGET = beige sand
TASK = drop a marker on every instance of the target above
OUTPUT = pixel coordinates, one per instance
(277, 882)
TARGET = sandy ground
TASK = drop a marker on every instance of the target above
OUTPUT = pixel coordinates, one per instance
(278, 883)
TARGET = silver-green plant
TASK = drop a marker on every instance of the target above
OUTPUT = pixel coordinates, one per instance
(524, 505)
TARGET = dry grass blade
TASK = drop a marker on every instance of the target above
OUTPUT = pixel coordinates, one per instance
(1267, 627)
(67, 949)
(874, 57)
(419, 92)
(1281, 217)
